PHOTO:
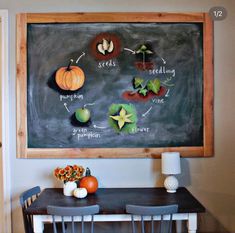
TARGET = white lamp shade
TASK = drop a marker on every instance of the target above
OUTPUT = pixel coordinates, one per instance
(171, 163)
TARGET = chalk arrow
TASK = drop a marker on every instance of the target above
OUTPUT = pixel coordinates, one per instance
(65, 105)
(132, 51)
(144, 114)
(164, 61)
(89, 104)
(98, 127)
(83, 54)
(167, 94)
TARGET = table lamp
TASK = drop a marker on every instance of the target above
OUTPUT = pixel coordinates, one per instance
(170, 167)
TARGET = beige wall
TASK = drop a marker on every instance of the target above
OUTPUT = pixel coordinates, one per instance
(211, 180)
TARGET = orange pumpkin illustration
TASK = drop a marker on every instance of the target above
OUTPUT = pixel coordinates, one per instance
(70, 78)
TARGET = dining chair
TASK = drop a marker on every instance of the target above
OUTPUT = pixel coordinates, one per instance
(26, 199)
(71, 213)
(151, 213)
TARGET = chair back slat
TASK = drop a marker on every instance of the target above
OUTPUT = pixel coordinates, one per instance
(63, 225)
(72, 212)
(92, 223)
(170, 224)
(142, 224)
(54, 224)
(152, 224)
(26, 199)
(73, 229)
(82, 219)
(133, 223)
(161, 223)
(151, 211)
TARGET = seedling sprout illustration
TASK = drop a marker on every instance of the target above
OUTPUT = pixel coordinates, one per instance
(144, 50)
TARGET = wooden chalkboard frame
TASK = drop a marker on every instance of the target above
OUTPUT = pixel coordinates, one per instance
(208, 85)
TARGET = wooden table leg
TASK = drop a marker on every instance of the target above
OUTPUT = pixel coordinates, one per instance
(192, 223)
(38, 225)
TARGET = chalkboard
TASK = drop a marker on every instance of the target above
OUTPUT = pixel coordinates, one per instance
(116, 85)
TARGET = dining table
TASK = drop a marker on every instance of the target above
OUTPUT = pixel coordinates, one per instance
(113, 201)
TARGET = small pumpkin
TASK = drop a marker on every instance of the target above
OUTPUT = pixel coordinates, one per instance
(80, 192)
(89, 182)
(70, 78)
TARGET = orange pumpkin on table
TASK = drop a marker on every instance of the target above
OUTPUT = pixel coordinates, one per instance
(89, 182)
(70, 78)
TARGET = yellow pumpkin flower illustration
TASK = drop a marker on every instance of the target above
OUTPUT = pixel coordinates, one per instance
(122, 118)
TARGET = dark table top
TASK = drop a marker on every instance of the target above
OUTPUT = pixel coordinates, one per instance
(114, 200)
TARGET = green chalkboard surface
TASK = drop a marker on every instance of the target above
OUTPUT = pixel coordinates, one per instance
(172, 56)
(100, 82)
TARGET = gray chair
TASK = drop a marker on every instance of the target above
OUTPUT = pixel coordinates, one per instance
(26, 199)
(72, 212)
(151, 211)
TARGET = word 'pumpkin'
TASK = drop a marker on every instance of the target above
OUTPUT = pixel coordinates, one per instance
(70, 78)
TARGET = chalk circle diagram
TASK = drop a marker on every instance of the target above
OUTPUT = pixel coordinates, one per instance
(105, 46)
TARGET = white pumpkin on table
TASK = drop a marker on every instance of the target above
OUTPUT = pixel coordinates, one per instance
(80, 192)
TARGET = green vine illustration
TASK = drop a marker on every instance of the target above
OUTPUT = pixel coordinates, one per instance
(144, 88)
